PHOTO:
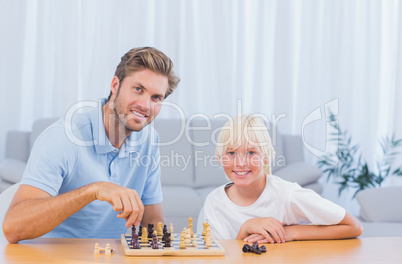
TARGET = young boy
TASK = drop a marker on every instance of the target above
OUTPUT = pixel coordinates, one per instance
(259, 207)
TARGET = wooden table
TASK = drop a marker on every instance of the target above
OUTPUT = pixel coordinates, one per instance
(59, 250)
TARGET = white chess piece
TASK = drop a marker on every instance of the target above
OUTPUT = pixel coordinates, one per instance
(96, 250)
(108, 249)
(195, 244)
(187, 237)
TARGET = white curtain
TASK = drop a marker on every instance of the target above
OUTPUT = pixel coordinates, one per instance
(286, 57)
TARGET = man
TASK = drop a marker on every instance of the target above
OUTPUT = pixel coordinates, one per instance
(66, 184)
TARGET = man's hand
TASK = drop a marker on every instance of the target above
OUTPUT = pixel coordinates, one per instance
(262, 230)
(124, 200)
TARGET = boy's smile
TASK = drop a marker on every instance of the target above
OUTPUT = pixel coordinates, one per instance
(244, 165)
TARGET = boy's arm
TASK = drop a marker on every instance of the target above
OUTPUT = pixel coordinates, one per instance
(349, 227)
(34, 212)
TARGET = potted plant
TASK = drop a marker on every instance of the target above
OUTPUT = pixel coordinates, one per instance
(352, 171)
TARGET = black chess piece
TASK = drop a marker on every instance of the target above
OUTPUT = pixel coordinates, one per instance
(263, 249)
(246, 248)
(133, 230)
(150, 230)
(167, 240)
(140, 230)
(164, 233)
(154, 243)
(134, 242)
(255, 249)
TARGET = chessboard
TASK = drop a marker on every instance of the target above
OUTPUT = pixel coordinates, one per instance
(146, 250)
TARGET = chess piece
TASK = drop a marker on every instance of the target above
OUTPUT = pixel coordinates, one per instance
(167, 240)
(144, 237)
(164, 233)
(134, 242)
(205, 226)
(96, 250)
(108, 249)
(182, 245)
(159, 229)
(255, 249)
(195, 244)
(187, 237)
(132, 230)
(208, 242)
(171, 236)
(207, 233)
(150, 230)
(263, 249)
(154, 243)
(171, 228)
(190, 226)
(140, 230)
(246, 248)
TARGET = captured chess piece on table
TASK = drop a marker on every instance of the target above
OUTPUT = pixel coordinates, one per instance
(107, 250)
(254, 248)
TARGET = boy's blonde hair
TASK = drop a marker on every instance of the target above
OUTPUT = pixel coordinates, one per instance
(246, 128)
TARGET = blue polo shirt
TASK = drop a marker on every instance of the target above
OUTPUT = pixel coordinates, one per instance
(75, 152)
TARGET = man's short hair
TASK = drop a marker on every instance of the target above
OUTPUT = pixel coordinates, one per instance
(147, 58)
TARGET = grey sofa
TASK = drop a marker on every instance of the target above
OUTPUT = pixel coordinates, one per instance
(380, 211)
(189, 170)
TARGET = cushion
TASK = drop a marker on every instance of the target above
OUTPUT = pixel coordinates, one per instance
(203, 192)
(181, 201)
(38, 128)
(4, 185)
(177, 165)
(11, 170)
(279, 160)
(299, 172)
(380, 204)
(203, 135)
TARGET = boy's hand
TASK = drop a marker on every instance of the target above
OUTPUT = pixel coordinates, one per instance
(264, 229)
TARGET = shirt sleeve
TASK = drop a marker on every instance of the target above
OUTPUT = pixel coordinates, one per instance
(152, 193)
(310, 208)
(52, 158)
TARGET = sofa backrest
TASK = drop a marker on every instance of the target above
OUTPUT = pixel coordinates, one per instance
(204, 134)
(177, 168)
(38, 128)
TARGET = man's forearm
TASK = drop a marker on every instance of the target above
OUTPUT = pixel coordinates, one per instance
(32, 218)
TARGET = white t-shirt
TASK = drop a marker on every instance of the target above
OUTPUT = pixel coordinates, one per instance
(285, 201)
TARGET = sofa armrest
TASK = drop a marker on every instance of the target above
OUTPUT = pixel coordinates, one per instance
(293, 148)
(11, 170)
(17, 145)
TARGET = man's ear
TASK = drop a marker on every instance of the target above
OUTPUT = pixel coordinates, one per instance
(114, 86)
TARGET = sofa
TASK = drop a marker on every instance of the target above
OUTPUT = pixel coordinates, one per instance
(189, 171)
(380, 211)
